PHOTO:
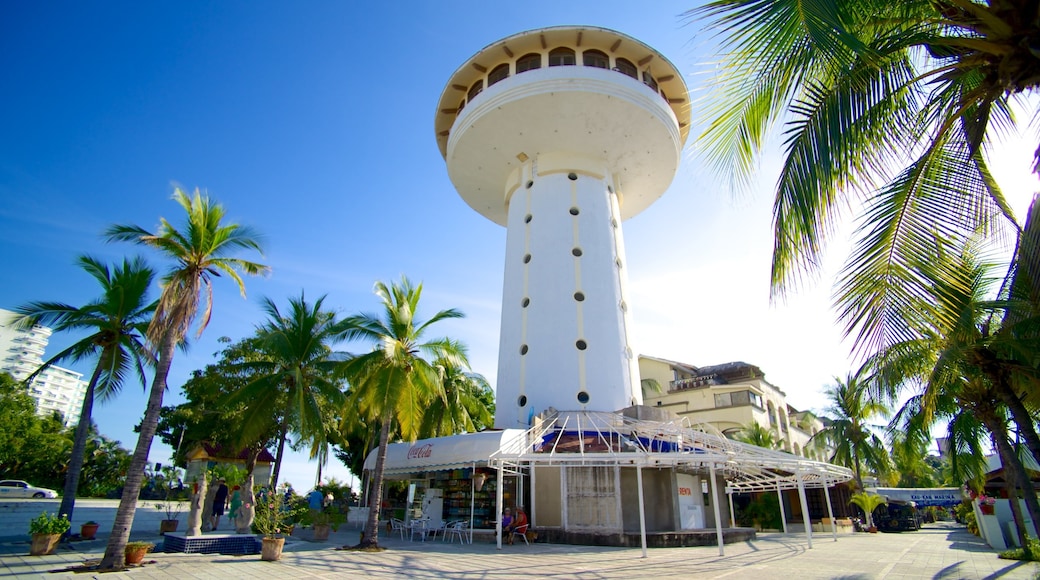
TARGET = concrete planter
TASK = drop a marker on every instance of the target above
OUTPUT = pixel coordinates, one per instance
(43, 544)
(271, 549)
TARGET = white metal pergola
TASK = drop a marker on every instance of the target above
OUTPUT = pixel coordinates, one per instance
(585, 438)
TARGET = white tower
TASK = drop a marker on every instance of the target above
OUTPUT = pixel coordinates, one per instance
(559, 134)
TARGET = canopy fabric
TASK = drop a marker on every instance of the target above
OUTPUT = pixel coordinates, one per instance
(454, 452)
(923, 496)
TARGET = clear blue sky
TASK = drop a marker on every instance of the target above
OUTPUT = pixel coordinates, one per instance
(313, 123)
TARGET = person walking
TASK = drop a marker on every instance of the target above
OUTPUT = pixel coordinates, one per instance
(220, 501)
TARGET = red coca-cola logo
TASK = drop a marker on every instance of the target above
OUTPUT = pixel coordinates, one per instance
(421, 451)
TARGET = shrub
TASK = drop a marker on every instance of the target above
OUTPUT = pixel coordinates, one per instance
(1020, 554)
(48, 524)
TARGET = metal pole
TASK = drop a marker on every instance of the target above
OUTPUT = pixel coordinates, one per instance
(732, 516)
(715, 507)
(805, 510)
(472, 502)
(642, 516)
(830, 512)
(498, 507)
(780, 496)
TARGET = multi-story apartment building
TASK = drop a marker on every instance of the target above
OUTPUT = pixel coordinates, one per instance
(22, 352)
(729, 397)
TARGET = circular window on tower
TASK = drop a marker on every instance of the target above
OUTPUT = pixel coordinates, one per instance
(523, 349)
(527, 218)
(525, 302)
(527, 258)
(522, 401)
(530, 184)
(572, 176)
(579, 296)
(581, 344)
(583, 397)
(576, 252)
(575, 211)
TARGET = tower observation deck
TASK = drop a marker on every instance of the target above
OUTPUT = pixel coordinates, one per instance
(560, 134)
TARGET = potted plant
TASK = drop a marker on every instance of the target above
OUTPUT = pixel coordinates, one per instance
(172, 509)
(135, 551)
(88, 530)
(986, 504)
(868, 502)
(46, 530)
(270, 521)
(324, 520)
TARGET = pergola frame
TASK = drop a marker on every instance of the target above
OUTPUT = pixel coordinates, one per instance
(599, 439)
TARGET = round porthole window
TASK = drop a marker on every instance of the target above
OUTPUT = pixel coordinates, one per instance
(525, 302)
(529, 184)
(583, 398)
(523, 349)
(576, 252)
(572, 176)
(527, 218)
(581, 344)
(575, 211)
(522, 401)
(579, 296)
(527, 258)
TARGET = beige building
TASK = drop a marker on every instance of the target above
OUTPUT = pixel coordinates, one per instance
(729, 397)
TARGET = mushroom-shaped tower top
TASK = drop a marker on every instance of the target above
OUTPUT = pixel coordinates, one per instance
(567, 98)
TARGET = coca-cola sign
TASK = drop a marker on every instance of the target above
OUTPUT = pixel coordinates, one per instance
(420, 451)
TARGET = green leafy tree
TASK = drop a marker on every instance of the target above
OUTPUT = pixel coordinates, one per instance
(847, 430)
(115, 323)
(394, 383)
(293, 381)
(200, 251)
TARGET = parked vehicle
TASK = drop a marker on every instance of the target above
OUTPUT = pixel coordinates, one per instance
(17, 488)
(898, 516)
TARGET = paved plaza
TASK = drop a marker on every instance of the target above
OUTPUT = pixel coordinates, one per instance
(941, 550)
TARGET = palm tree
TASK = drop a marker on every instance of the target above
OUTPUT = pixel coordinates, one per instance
(755, 434)
(868, 502)
(888, 103)
(465, 404)
(294, 383)
(394, 383)
(116, 323)
(847, 429)
(200, 253)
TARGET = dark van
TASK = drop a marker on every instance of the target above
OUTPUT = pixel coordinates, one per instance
(897, 516)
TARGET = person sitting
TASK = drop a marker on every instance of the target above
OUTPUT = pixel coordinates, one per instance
(518, 525)
(507, 520)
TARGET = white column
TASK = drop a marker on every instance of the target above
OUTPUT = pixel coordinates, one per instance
(498, 507)
(642, 515)
(805, 510)
(780, 496)
(830, 512)
(715, 506)
(472, 502)
(732, 516)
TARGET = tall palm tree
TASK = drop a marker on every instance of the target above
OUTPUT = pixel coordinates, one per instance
(294, 384)
(394, 383)
(200, 252)
(755, 434)
(116, 323)
(848, 430)
(885, 103)
(464, 406)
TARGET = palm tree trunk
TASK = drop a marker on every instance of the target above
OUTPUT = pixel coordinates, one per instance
(1014, 471)
(79, 446)
(1023, 419)
(278, 460)
(114, 557)
(372, 525)
(1016, 514)
(247, 512)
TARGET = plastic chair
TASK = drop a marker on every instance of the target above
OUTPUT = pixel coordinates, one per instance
(397, 526)
(522, 532)
(458, 530)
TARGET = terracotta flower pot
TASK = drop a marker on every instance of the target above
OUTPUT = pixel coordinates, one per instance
(88, 531)
(168, 526)
(43, 544)
(271, 549)
(986, 509)
(134, 554)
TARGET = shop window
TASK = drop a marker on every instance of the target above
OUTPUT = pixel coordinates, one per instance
(625, 67)
(595, 58)
(561, 57)
(528, 62)
(500, 72)
(475, 90)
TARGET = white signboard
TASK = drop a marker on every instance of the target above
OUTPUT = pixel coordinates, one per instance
(691, 512)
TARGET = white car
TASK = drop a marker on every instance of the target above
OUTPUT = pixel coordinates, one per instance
(16, 488)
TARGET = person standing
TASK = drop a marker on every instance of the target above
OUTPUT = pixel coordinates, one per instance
(235, 504)
(219, 503)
